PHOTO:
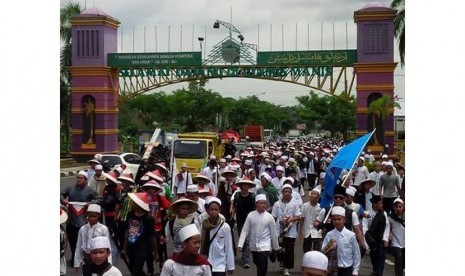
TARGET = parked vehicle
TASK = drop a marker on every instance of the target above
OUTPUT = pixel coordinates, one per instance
(254, 133)
(128, 161)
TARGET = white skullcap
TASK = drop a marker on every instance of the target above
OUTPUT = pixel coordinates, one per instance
(99, 243)
(398, 200)
(389, 164)
(315, 259)
(212, 199)
(248, 162)
(351, 191)
(260, 197)
(188, 231)
(383, 163)
(322, 175)
(83, 173)
(98, 167)
(338, 210)
(362, 158)
(284, 157)
(183, 165)
(222, 160)
(286, 186)
(266, 175)
(316, 190)
(228, 156)
(192, 189)
(384, 156)
(291, 160)
(280, 168)
(94, 208)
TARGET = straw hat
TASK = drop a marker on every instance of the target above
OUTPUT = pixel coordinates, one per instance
(193, 206)
(141, 199)
(155, 175)
(246, 180)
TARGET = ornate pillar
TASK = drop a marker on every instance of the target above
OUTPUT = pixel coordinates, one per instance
(94, 92)
(375, 72)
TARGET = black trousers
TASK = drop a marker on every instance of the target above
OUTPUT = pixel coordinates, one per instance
(312, 244)
(377, 257)
(161, 247)
(288, 244)
(72, 235)
(388, 204)
(137, 257)
(399, 257)
(344, 271)
(311, 178)
(260, 259)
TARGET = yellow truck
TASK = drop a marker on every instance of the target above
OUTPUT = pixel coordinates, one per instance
(195, 148)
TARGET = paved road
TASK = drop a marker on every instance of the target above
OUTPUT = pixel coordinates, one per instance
(273, 268)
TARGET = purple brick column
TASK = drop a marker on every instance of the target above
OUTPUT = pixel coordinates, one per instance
(375, 67)
(94, 35)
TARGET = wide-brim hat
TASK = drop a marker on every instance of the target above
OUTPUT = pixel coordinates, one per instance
(93, 161)
(369, 182)
(155, 176)
(111, 178)
(126, 177)
(153, 184)
(193, 206)
(201, 176)
(247, 181)
(140, 199)
(223, 174)
(162, 166)
(63, 216)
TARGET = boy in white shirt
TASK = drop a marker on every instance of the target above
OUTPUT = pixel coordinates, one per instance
(312, 237)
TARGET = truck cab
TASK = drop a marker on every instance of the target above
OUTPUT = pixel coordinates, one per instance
(195, 149)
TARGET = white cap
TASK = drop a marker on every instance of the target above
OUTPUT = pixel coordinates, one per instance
(211, 199)
(322, 175)
(384, 156)
(316, 190)
(351, 191)
(98, 167)
(338, 210)
(315, 259)
(183, 165)
(94, 208)
(83, 173)
(286, 186)
(228, 156)
(284, 157)
(222, 160)
(280, 168)
(248, 162)
(362, 158)
(398, 200)
(99, 243)
(266, 175)
(389, 164)
(291, 160)
(260, 197)
(192, 188)
(188, 231)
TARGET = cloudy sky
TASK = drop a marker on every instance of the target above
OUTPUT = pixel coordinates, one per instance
(269, 24)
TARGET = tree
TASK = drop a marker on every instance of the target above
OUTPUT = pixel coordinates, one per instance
(335, 114)
(71, 9)
(399, 26)
(379, 110)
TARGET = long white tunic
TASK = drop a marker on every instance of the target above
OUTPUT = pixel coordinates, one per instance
(261, 228)
(172, 268)
(282, 210)
(309, 213)
(221, 254)
(86, 233)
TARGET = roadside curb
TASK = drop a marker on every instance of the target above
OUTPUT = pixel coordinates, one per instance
(73, 172)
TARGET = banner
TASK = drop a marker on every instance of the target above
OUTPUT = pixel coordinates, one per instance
(344, 159)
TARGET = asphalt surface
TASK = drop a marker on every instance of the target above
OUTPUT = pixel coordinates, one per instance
(273, 268)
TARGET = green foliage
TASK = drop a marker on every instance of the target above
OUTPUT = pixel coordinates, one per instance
(399, 27)
(332, 113)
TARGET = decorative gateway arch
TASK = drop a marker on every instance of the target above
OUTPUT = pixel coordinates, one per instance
(102, 78)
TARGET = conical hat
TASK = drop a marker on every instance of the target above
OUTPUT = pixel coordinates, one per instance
(155, 175)
(140, 199)
(246, 180)
(192, 205)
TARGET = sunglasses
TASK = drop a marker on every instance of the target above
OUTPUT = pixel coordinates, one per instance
(338, 197)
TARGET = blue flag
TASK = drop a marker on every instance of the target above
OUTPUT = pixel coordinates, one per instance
(344, 159)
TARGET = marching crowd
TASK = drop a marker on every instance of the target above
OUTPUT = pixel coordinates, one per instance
(271, 196)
